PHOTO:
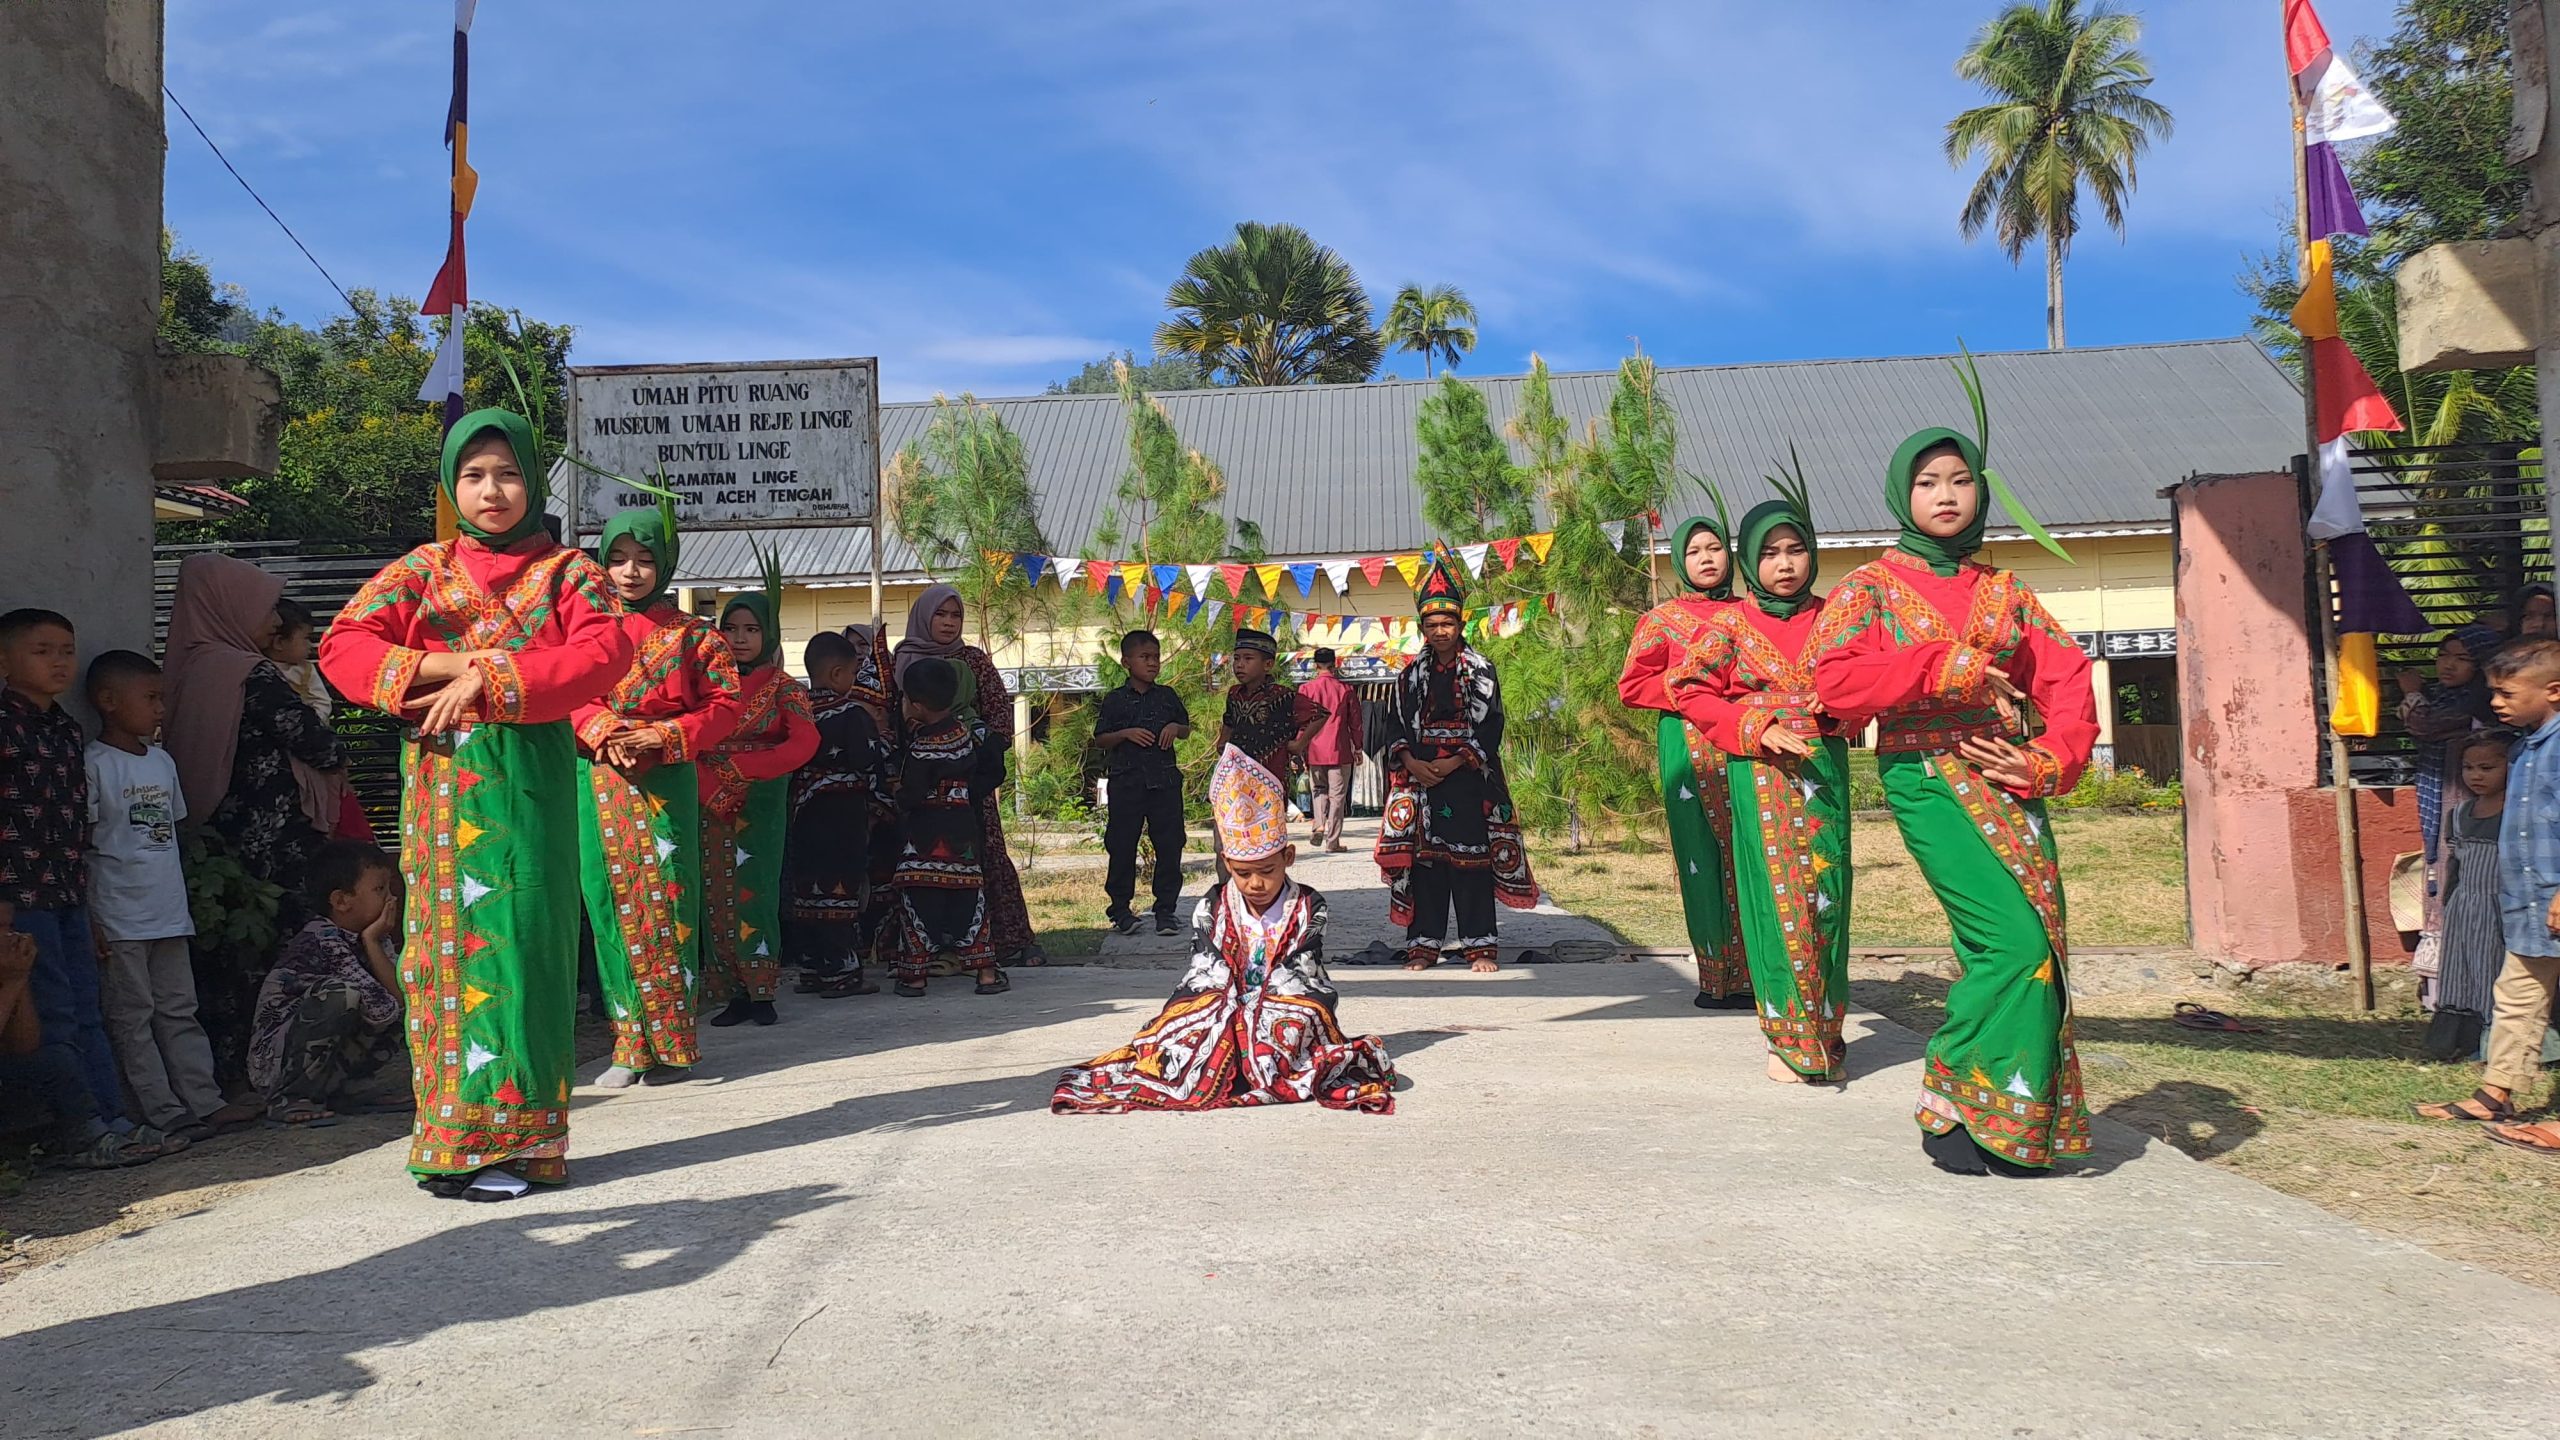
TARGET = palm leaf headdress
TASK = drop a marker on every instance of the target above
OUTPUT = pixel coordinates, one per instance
(1969, 375)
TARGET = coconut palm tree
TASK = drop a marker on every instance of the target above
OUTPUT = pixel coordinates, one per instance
(2068, 109)
(1271, 307)
(1438, 322)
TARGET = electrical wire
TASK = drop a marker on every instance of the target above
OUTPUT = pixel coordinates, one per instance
(254, 195)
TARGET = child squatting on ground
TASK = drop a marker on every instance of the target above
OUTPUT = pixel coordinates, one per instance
(2524, 690)
(328, 1033)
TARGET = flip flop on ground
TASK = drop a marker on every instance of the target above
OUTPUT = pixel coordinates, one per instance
(2542, 1140)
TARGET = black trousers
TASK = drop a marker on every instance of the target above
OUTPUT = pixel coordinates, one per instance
(1156, 810)
(1439, 891)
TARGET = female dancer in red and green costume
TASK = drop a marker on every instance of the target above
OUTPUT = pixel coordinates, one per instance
(640, 831)
(1694, 795)
(746, 811)
(1748, 684)
(1945, 654)
(486, 644)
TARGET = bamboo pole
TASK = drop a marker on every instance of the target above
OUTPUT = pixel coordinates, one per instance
(2341, 774)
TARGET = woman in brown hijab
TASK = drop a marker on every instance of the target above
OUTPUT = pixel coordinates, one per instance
(256, 763)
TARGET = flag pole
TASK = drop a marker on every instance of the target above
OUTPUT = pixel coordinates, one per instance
(2341, 774)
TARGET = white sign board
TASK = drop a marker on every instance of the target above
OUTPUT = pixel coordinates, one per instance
(792, 442)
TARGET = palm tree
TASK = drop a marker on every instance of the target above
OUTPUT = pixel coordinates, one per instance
(2067, 110)
(1271, 307)
(1440, 321)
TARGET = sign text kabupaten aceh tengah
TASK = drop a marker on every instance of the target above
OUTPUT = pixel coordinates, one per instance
(787, 442)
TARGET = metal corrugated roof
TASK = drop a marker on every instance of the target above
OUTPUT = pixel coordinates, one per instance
(2087, 437)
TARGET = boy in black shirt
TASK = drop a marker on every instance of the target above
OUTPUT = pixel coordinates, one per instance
(1138, 727)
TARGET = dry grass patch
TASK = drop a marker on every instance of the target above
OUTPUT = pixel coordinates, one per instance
(2125, 875)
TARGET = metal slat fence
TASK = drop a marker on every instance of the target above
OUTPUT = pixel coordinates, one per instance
(2465, 529)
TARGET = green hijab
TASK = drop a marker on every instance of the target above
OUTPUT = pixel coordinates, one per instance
(1765, 519)
(760, 605)
(1944, 556)
(1723, 590)
(654, 529)
(519, 436)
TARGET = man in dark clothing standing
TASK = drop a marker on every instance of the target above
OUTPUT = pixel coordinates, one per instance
(1138, 727)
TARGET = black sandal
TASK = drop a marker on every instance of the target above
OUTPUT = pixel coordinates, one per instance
(2501, 1112)
(844, 985)
(910, 989)
(997, 986)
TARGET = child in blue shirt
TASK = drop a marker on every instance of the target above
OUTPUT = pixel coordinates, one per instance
(2524, 691)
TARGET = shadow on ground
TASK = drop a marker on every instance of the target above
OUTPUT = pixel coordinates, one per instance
(298, 1339)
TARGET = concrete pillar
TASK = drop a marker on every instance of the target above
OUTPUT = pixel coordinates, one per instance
(81, 146)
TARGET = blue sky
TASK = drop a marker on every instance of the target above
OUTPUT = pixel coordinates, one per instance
(985, 195)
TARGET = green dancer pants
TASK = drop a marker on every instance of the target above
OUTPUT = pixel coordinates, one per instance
(1695, 805)
(2001, 1064)
(489, 846)
(743, 900)
(1791, 863)
(640, 865)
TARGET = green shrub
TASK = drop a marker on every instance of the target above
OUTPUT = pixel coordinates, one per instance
(2125, 789)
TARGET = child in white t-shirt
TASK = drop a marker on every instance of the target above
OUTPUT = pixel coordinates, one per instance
(138, 907)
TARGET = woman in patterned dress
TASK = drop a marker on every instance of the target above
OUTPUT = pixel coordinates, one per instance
(640, 830)
(1694, 794)
(1959, 664)
(934, 627)
(236, 730)
(746, 812)
(1748, 684)
(486, 644)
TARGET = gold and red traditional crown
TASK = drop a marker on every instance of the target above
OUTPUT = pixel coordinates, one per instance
(1251, 807)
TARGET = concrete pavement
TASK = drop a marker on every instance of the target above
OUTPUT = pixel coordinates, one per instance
(1589, 1216)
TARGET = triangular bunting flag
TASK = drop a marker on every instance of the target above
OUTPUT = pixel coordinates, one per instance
(1214, 609)
(1303, 575)
(1132, 575)
(1032, 566)
(1111, 588)
(1200, 575)
(1541, 543)
(1233, 575)
(1168, 576)
(2348, 401)
(1375, 567)
(1192, 610)
(1549, 599)
(1098, 578)
(1410, 567)
(1068, 569)
(1001, 560)
(1473, 555)
(1271, 576)
(1339, 572)
(1508, 552)
(1614, 534)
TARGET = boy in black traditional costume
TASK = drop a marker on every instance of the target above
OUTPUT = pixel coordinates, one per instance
(1450, 842)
